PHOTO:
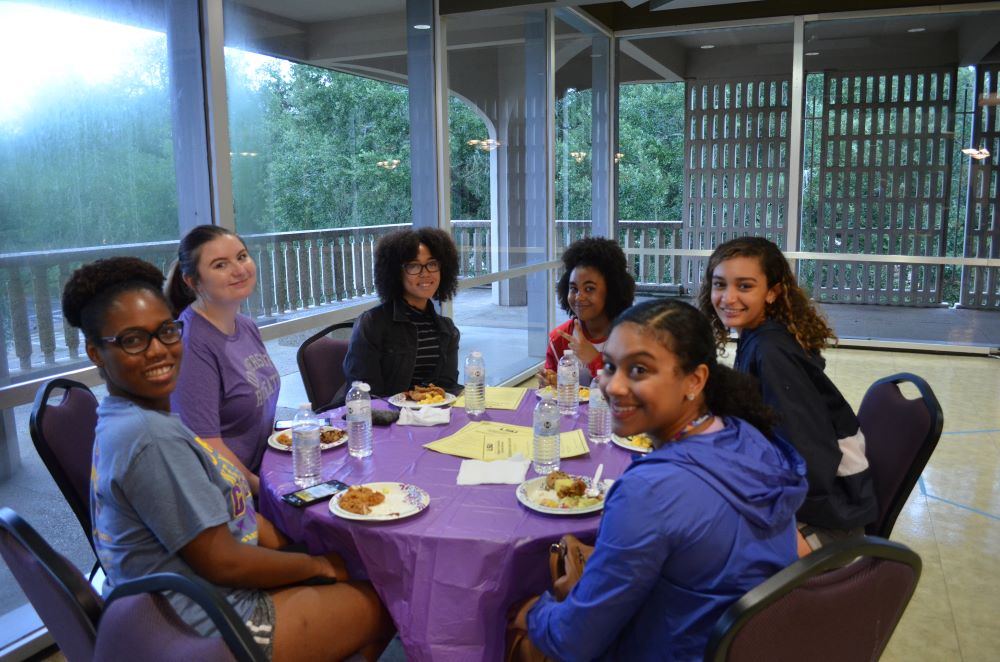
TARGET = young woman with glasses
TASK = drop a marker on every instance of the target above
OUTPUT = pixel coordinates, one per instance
(227, 391)
(164, 500)
(404, 342)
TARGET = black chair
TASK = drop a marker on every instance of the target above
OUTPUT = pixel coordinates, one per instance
(64, 600)
(840, 603)
(140, 624)
(900, 435)
(321, 364)
(63, 433)
(136, 622)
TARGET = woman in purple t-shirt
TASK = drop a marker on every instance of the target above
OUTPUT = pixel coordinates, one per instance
(227, 391)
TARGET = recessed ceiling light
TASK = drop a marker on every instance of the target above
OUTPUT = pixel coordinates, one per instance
(916, 29)
(421, 26)
(707, 46)
(811, 53)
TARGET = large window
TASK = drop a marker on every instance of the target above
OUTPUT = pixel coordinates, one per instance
(319, 146)
(88, 138)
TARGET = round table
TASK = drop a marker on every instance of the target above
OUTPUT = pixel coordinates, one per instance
(448, 574)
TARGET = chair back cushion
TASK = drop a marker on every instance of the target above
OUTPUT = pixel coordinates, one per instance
(145, 627)
(900, 435)
(68, 607)
(63, 434)
(323, 361)
(845, 614)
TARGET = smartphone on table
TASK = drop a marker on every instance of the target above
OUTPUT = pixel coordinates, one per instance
(310, 495)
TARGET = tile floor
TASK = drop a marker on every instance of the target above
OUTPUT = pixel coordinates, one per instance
(952, 519)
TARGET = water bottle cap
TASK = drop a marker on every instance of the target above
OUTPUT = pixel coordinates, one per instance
(476, 355)
(305, 405)
(568, 352)
(363, 386)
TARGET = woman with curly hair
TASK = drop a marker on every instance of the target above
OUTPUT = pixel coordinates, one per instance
(227, 391)
(404, 342)
(691, 526)
(749, 287)
(164, 500)
(594, 288)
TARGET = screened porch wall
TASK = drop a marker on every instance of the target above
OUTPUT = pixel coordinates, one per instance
(736, 170)
(885, 163)
(981, 285)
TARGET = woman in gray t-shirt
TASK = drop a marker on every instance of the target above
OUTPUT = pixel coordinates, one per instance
(164, 500)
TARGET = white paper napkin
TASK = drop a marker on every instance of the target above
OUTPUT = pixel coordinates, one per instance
(478, 472)
(424, 416)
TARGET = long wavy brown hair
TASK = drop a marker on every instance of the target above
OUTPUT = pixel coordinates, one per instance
(792, 307)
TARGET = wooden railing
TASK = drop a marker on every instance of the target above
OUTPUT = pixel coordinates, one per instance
(297, 271)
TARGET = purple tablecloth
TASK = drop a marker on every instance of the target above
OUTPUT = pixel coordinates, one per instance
(448, 574)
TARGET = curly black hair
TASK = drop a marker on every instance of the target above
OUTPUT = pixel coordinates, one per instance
(395, 249)
(91, 289)
(687, 333)
(606, 256)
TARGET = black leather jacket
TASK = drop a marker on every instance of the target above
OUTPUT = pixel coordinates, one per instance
(383, 351)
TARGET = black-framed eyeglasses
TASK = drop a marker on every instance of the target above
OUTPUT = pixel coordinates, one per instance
(414, 268)
(136, 341)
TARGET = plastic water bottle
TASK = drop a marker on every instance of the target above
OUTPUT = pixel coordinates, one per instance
(305, 446)
(568, 384)
(359, 420)
(475, 384)
(546, 426)
(598, 414)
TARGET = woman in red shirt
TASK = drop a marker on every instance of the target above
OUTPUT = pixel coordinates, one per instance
(595, 286)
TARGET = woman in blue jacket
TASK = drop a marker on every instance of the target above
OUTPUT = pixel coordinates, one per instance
(693, 525)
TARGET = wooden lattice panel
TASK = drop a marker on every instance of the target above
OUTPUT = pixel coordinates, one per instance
(736, 171)
(981, 285)
(885, 158)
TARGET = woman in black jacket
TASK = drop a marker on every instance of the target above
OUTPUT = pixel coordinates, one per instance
(404, 342)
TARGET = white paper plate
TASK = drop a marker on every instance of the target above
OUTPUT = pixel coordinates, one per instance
(628, 444)
(273, 442)
(528, 491)
(399, 400)
(401, 500)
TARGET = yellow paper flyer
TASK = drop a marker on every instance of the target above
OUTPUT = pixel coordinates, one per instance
(499, 397)
(487, 440)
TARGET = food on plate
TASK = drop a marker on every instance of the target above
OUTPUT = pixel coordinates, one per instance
(641, 440)
(359, 499)
(329, 435)
(584, 392)
(426, 395)
(565, 485)
(564, 491)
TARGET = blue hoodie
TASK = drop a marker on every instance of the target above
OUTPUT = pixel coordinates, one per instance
(687, 530)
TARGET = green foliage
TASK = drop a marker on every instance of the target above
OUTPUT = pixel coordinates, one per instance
(651, 138)
(92, 163)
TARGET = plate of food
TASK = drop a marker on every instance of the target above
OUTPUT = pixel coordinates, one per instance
(329, 437)
(584, 392)
(422, 396)
(379, 502)
(637, 443)
(561, 494)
